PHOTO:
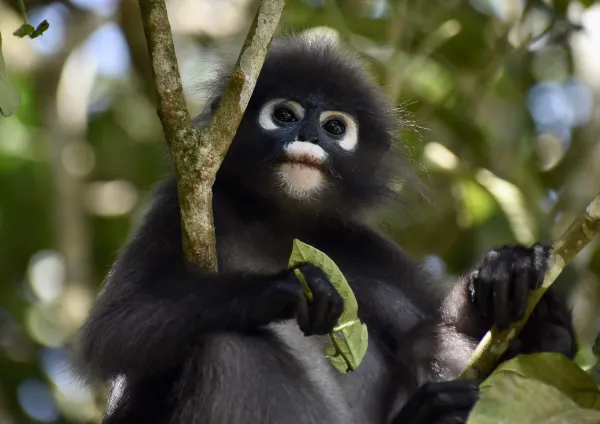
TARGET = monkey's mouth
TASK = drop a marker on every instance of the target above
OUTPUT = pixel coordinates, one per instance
(308, 161)
(300, 178)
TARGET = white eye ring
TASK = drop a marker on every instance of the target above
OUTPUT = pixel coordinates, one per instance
(265, 118)
(350, 138)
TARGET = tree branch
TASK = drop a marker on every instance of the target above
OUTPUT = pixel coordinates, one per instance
(572, 241)
(197, 153)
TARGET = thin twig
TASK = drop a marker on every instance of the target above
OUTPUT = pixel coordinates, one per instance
(197, 154)
(23, 11)
(572, 241)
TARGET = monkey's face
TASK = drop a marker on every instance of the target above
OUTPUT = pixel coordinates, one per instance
(316, 134)
(307, 137)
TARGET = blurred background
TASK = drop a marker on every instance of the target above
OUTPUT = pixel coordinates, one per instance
(501, 97)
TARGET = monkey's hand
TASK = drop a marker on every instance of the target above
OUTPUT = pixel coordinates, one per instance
(499, 289)
(315, 317)
(448, 402)
(500, 285)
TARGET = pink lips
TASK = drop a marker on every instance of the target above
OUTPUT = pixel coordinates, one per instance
(303, 159)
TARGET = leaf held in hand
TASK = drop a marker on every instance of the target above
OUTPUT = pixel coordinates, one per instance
(10, 98)
(349, 338)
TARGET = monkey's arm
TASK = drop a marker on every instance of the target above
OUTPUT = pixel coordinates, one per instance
(438, 346)
(450, 322)
(429, 391)
(496, 293)
(441, 345)
(148, 325)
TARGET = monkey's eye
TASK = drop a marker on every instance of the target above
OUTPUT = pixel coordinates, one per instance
(284, 114)
(342, 127)
(335, 127)
(278, 113)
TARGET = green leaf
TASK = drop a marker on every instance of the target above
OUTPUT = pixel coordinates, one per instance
(41, 28)
(303, 253)
(541, 387)
(555, 370)
(512, 398)
(24, 30)
(349, 339)
(10, 98)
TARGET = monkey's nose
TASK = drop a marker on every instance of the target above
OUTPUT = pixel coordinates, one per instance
(309, 139)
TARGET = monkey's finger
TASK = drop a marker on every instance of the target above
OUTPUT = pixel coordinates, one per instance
(455, 417)
(483, 295)
(318, 310)
(446, 407)
(434, 401)
(500, 279)
(302, 314)
(520, 292)
(334, 310)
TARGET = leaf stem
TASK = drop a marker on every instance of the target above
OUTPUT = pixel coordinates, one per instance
(307, 290)
(339, 351)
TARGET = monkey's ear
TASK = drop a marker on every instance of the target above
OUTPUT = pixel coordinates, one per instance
(214, 104)
(204, 117)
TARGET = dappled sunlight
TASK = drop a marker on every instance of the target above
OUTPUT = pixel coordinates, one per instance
(78, 158)
(35, 397)
(46, 275)
(512, 201)
(111, 198)
(439, 155)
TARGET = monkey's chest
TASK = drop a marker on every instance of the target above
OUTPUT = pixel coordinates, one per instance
(253, 251)
(356, 394)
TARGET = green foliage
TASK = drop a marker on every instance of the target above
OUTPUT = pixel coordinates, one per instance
(479, 205)
(28, 30)
(24, 30)
(349, 338)
(542, 387)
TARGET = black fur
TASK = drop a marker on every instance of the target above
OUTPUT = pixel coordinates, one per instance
(195, 347)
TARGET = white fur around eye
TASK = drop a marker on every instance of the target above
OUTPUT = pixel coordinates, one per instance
(350, 138)
(265, 118)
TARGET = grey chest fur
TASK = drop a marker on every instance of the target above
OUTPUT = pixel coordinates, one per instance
(251, 249)
(356, 396)
(353, 397)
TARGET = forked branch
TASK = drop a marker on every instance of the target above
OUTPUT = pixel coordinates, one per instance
(197, 153)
